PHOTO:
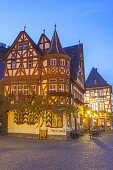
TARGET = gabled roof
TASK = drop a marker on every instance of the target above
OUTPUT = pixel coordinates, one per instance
(31, 41)
(1, 70)
(42, 36)
(55, 46)
(94, 75)
(75, 52)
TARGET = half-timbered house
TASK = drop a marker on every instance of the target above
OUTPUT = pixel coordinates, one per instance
(98, 97)
(49, 69)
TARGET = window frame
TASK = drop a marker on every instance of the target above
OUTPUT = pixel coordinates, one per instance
(53, 89)
(62, 62)
(53, 62)
(61, 87)
(100, 92)
(30, 63)
(92, 94)
(57, 118)
(25, 45)
(20, 46)
(13, 64)
(101, 106)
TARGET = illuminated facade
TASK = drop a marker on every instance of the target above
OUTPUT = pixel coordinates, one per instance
(98, 97)
(49, 69)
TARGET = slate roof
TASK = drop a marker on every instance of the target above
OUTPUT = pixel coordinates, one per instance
(1, 70)
(3, 50)
(55, 46)
(74, 52)
(95, 75)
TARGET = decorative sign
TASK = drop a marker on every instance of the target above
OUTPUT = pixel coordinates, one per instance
(58, 130)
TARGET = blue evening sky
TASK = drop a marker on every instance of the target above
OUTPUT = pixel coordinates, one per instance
(91, 21)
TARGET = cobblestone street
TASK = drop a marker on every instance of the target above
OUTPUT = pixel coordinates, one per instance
(27, 154)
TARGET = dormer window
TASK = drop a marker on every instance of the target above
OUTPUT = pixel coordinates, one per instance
(20, 46)
(29, 63)
(25, 45)
(13, 64)
(95, 81)
(62, 62)
(53, 62)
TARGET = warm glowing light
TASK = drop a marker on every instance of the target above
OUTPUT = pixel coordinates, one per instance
(88, 111)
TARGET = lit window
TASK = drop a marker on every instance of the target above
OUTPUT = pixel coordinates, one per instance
(33, 89)
(92, 93)
(100, 106)
(52, 87)
(29, 63)
(68, 64)
(25, 45)
(13, 90)
(20, 46)
(92, 105)
(100, 92)
(20, 89)
(13, 64)
(26, 89)
(61, 87)
(52, 80)
(53, 62)
(62, 62)
(102, 122)
(57, 120)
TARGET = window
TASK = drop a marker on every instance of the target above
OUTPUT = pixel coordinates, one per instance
(62, 62)
(25, 45)
(52, 80)
(68, 64)
(20, 89)
(100, 106)
(61, 80)
(92, 93)
(29, 63)
(67, 81)
(20, 46)
(31, 118)
(13, 90)
(33, 89)
(26, 90)
(57, 120)
(61, 87)
(92, 105)
(13, 64)
(100, 92)
(95, 81)
(67, 88)
(53, 62)
(102, 122)
(52, 87)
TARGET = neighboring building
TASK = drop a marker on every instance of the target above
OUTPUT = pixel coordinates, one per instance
(49, 69)
(3, 50)
(98, 98)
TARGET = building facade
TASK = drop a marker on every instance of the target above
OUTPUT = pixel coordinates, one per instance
(98, 97)
(48, 69)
